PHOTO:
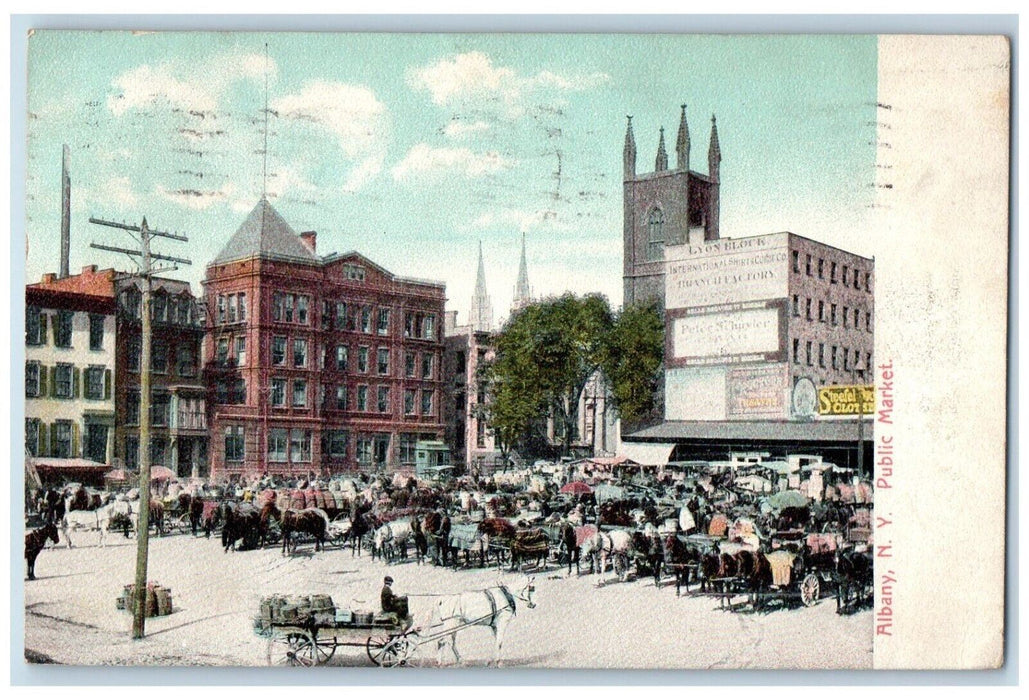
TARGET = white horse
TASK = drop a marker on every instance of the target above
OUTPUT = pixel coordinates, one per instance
(391, 537)
(99, 519)
(493, 607)
(615, 545)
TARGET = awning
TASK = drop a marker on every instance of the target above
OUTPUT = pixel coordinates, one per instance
(650, 454)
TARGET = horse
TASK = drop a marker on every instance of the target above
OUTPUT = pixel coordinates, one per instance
(84, 500)
(468, 539)
(391, 540)
(616, 545)
(650, 554)
(854, 574)
(529, 544)
(570, 545)
(311, 521)
(241, 522)
(34, 543)
(421, 544)
(100, 519)
(437, 530)
(492, 607)
(193, 507)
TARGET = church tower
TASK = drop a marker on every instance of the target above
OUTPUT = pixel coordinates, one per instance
(480, 318)
(665, 207)
(522, 292)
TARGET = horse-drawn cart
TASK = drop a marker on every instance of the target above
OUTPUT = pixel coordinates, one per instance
(312, 642)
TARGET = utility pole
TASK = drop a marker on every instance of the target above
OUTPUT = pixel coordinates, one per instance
(145, 260)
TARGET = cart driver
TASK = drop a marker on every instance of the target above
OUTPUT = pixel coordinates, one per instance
(387, 598)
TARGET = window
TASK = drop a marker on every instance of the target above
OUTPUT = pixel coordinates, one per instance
(158, 447)
(95, 383)
(383, 327)
(821, 269)
(278, 350)
(857, 318)
(287, 315)
(382, 363)
(241, 350)
(326, 314)
(342, 358)
(132, 452)
(221, 308)
(808, 353)
(62, 333)
(409, 364)
(807, 264)
(300, 445)
(480, 434)
(808, 309)
(234, 443)
(426, 402)
(362, 359)
(846, 359)
(868, 361)
(35, 326)
(232, 308)
(62, 439)
(341, 398)
(159, 312)
(655, 235)
(832, 314)
(159, 403)
(159, 357)
(832, 273)
(242, 306)
(299, 352)
(278, 306)
(277, 439)
(821, 311)
(132, 408)
(96, 332)
(846, 271)
(237, 391)
(857, 279)
(796, 351)
(354, 272)
(277, 394)
(408, 445)
(460, 366)
(341, 315)
(427, 363)
(868, 321)
(32, 437)
(185, 360)
(362, 398)
(133, 302)
(364, 451)
(336, 443)
(303, 302)
(835, 364)
(223, 352)
(796, 312)
(430, 327)
(32, 379)
(821, 355)
(796, 261)
(868, 281)
(857, 362)
(300, 393)
(63, 381)
(366, 319)
(408, 402)
(846, 317)
(383, 399)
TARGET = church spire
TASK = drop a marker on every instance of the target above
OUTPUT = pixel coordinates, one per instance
(523, 293)
(480, 318)
(629, 152)
(661, 163)
(682, 143)
(714, 152)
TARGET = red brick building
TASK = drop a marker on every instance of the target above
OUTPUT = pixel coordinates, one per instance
(316, 364)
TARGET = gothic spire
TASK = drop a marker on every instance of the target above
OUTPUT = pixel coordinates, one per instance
(629, 152)
(714, 151)
(523, 293)
(682, 143)
(661, 163)
(481, 315)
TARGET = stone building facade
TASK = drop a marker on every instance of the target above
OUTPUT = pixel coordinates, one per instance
(316, 364)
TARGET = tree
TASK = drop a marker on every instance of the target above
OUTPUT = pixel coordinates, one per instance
(632, 357)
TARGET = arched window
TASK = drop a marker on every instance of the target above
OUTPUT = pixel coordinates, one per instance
(655, 234)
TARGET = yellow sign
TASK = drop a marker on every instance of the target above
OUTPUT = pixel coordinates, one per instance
(846, 400)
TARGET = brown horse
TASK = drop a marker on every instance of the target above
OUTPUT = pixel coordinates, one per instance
(436, 526)
(311, 521)
(529, 544)
(34, 543)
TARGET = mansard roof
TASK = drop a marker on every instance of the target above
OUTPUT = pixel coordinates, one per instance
(265, 234)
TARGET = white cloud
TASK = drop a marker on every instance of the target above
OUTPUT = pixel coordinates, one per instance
(457, 128)
(423, 159)
(352, 114)
(472, 77)
(196, 199)
(119, 190)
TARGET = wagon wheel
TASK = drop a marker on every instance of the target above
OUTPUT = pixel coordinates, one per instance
(389, 650)
(810, 589)
(325, 648)
(293, 649)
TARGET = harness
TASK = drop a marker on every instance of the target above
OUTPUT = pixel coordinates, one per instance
(493, 603)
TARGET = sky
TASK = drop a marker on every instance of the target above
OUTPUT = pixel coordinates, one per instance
(412, 148)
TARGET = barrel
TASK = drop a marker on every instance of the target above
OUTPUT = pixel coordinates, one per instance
(164, 600)
(320, 603)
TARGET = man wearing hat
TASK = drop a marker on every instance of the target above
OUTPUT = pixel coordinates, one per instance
(387, 598)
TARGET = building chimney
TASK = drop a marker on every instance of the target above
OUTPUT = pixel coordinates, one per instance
(48, 278)
(89, 270)
(65, 211)
(310, 239)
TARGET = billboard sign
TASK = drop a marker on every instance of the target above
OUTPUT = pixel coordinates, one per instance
(757, 392)
(851, 400)
(714, 336)
(726, 271)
